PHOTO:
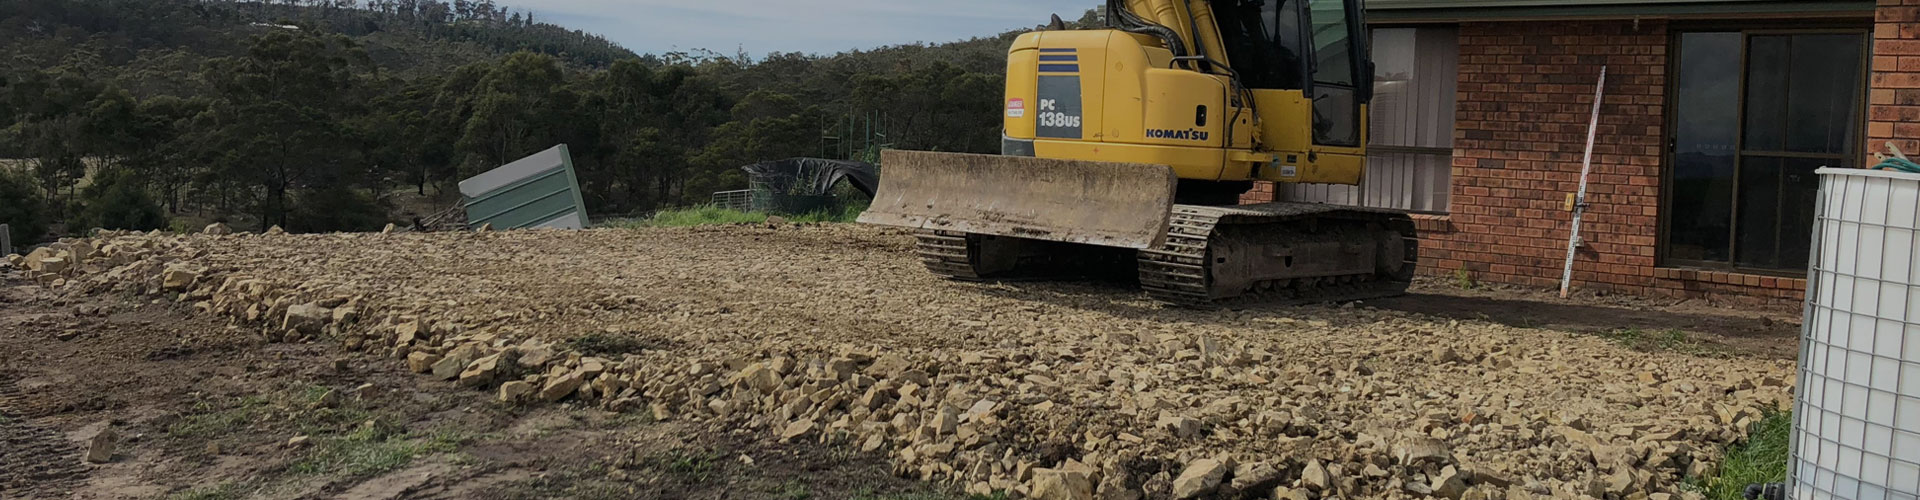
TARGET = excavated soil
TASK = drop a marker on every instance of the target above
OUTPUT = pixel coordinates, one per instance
(834, 334)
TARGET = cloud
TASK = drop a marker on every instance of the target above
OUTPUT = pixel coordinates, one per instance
(816, 26)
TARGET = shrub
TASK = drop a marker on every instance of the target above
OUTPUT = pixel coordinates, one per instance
(336, 209)
(22, 209)
(117, 200)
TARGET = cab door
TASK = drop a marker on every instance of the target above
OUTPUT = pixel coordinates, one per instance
(1341, 82)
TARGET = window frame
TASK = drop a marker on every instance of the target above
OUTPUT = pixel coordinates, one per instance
(1668, 154)
(1359, 66)
(1361, 195)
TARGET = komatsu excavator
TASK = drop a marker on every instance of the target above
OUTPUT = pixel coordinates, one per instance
(1128, 148)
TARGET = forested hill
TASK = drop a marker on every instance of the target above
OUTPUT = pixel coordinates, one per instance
(317, 115)
(409, 36)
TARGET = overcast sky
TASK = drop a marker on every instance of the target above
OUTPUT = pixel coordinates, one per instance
(814, 26)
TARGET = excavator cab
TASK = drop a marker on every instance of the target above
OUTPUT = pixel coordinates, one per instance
(1131, 143)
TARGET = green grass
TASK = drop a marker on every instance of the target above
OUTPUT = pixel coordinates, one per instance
(1463, 279)
(222, 491)
(1762, 458)
(208, 422)
(710, 215)
(795, 490)
(842, 215)
(371, 450)
(707, 215)
(690, 466)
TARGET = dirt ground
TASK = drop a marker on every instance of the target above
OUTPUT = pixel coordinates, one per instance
(1532, 394)
(205, 412)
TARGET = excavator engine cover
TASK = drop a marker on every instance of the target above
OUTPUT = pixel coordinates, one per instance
(1125, 205)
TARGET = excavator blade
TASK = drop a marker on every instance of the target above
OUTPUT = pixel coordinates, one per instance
(1096, 203)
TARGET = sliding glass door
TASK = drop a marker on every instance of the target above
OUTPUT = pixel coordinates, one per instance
(1754, 113)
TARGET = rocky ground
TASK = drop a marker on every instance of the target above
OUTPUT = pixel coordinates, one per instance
(831, 339)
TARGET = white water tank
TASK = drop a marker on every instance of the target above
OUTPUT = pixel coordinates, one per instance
(1856, 425)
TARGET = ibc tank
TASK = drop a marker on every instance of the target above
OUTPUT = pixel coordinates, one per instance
(1856, 425)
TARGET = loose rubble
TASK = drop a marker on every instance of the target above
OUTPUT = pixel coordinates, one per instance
(833, 335)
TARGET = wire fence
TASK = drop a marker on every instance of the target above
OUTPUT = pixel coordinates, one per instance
(740, 200)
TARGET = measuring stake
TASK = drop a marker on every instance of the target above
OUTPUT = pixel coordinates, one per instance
(1580, 200)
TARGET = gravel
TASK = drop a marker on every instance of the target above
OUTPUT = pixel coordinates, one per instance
(835, 333)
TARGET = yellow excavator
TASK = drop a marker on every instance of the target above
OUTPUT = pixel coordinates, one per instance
(1128, 149)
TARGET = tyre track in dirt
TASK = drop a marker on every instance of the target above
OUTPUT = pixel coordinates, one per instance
(34, 460)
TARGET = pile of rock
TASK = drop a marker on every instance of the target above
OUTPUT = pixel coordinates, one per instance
(1052, 414)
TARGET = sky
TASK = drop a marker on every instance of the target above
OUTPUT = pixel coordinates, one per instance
(812, 26)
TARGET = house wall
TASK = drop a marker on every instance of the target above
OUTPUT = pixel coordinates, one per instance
(1524, 100)
(1894, 98)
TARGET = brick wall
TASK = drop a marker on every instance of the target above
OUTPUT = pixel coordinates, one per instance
(1525, 91)
(1525, 96)
(1894, 109)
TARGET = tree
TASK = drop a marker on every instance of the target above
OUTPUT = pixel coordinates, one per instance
(519, 108)
(280, 120)
(25, 211)
(118, 200)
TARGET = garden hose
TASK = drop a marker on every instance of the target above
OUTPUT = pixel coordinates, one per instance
(1899, 164)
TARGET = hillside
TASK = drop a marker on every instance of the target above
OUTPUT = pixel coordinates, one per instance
(314, 116)
(142, 39)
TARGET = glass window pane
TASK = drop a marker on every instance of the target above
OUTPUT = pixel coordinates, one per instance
(1395, 101)
(1336, 117)
(1252, 33)
(1331, 50)
(1825, 88)
(1759, 211)
(1767, 93)
(1777, 197)
(1706, 119)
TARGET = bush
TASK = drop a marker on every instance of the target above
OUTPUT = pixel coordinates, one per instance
(22, 209)
(336, 209)
(117, 200)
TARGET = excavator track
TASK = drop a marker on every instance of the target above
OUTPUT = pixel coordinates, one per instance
(978, 257)
(1189, 269)
(945, 254)
(1185, 269)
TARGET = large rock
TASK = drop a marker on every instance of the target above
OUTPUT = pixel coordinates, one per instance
(217, 229)
(887, 365)
(484, 370)
(1254, 476)
(559, 387)
(1315, 477)
(797, 429)
(760, 377)
(515, 391)
(51, 265)
(1179, 426)
(1450, 484)
(1423, 449)
(1285, 493)
(421, 362)
(406, 333)
(178, 278)
(1200, 477)
(535, 356)
(308, 318)
(100, 449)
(1061, 484)
(450, 367)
